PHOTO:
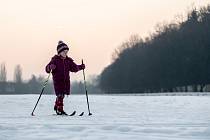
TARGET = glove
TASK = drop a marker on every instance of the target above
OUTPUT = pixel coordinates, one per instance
(82, 66)
(52, 66)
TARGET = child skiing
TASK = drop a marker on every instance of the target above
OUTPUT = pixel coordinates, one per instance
(61, 65)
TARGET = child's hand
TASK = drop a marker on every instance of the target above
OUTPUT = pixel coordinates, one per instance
(52, 66)
(82, 66)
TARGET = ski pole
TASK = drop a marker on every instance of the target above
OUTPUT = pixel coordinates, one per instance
(86, 90)
(45, 83)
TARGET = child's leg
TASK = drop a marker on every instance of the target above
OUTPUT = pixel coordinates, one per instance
(59, 102)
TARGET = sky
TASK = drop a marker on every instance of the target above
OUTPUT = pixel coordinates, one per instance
(30, 30)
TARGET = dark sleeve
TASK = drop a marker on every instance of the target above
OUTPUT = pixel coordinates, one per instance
(73, 66)
(47, 68)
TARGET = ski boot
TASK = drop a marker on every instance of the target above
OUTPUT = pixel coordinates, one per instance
(61, 113)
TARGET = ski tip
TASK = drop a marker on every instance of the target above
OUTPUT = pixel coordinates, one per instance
(72, 114)
(81, 114)
(32, 114)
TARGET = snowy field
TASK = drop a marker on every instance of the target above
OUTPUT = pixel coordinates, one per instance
(114, 118)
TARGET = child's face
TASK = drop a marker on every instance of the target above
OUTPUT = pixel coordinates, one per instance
(64, 53)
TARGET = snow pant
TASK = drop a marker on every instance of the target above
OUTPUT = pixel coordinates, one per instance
(59, 102)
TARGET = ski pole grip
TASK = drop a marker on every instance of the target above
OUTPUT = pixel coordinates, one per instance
(82, 61)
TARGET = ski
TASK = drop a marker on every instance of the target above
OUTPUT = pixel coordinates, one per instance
(74, 113)
(81, 114)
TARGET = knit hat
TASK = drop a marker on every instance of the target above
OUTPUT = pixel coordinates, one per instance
(61, 46)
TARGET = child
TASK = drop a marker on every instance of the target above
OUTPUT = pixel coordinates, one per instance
(61, 65)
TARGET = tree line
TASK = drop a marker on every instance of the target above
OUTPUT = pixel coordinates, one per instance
(18, 86)
(176, 57)
(34, 84)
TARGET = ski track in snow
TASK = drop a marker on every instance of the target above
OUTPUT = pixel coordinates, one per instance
(114, 117)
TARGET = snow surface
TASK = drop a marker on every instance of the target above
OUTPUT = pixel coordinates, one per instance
(114, 118)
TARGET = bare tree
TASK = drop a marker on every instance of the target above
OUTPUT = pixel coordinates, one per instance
(18, 74)
(131, 42)
(3, 73)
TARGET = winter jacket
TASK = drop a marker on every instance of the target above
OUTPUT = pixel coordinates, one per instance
(61, 76)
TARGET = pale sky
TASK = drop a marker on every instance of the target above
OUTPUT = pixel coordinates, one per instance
(92, 29)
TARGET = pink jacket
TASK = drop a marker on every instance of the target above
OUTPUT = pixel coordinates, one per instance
(61, 75)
